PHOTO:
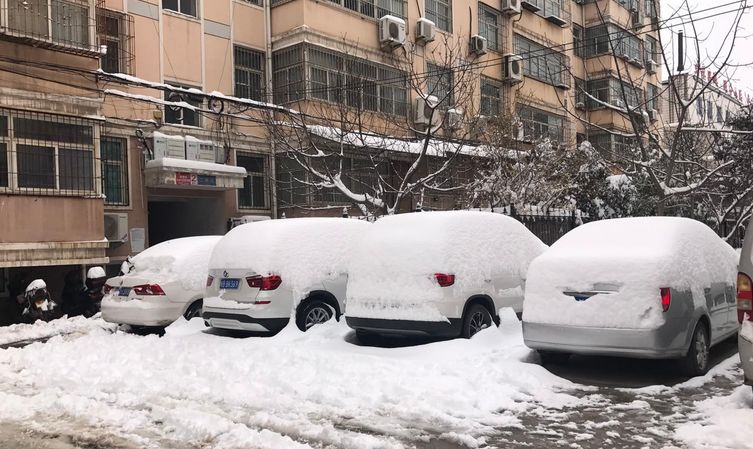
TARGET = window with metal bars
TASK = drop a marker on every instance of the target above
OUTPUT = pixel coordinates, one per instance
(373, 8)
(651, 50)
(249, 73)
(578, 40)
(542, 63)
(114, 162)
(489, 20)
(253, 195)
(612, 91)
(652, 97)
(601, 39)
(440, 12)
(66, 23)
(440, 84)
(187, 7)
(182, 115)
(491, 96)
(539, 124)
(114, 32)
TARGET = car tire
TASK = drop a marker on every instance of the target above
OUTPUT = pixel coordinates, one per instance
(477, 317)
(696, 361)
(553, 357)
(367, 338)
(193, 311)
(313, 313)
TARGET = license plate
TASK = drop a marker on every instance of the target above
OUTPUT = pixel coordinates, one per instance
(230, 284)
(124, 291)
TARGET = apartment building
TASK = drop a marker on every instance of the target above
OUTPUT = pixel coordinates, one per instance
(712, 109)
(162, 101)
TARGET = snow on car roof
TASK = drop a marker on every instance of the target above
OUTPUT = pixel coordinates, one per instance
(184, 259)
(303, 251)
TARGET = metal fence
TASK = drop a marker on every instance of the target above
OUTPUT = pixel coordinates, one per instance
(548, 224)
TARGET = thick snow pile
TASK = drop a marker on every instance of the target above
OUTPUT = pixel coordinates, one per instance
(41, 330)
(183, 260)
(293, 390)
(392, 273)
(633, 258)
(302, 251)
(725, 422)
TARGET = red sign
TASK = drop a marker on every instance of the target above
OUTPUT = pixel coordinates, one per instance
(182, 178)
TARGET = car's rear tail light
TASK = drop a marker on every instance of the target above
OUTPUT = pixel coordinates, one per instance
(744, 297)
(210, 279)
(106, 289)
(265, 283)
(666, 298)
(444, 280)
(148, 290)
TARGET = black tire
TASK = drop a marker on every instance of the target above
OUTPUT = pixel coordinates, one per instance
(476, 318)
(312, 313)
(193, 311)
(553, 358)
(367, 338)
(696, 361)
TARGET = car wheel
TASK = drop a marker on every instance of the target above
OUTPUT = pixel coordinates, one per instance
(553, 358)
(477, 318)
(313, 313)
(193, 311)
(696, 362)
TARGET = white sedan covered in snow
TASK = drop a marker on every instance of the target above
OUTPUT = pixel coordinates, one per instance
(653, 287)
(163, 283)
(442, 274)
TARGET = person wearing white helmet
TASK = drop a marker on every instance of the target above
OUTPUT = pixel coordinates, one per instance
(87, 303)
(38, 304)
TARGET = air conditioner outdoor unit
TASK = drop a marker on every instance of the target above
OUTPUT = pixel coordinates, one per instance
(531, 5)
(513, 68)
(425, 112)
(651, 66)
(518, 132)
(116, 227)
(168, 146)
(651, 114)
(197, 150)
(424, 30)
(580, 106)
(511, 6)
(391, 32)
(479, 45)
(454, 119)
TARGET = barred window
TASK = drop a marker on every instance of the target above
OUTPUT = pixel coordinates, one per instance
(114, 31)
(601, 38)
(538, 124)
(183, 116)
(543, 63)
(651, 50)
(580, 92)
(253, 195)
(64, 22)
(287, 75)
(652, 97)
(440, 12)
(611, 145)
(488, 25)
(491, 96)
(4, 153)
(249, 73)
(114, 154)
(290, 188)
(440, 83)
(578, 40)
(649, 6)
(182, 6)
(374, 9)
(610, 90)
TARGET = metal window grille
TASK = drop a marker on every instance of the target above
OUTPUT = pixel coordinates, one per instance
(440, 12)
(578, 40)
(650, 47)
(543, 63)
(46, 154)
(249, 73)
(114, 163)
(488, 25)
(253, 195)
(257, 2)
(491, 96)
(183, 116)
(610, 145)
(440, 83)
(114, 30)
(538, 124)
(372, 8)
(187, 7)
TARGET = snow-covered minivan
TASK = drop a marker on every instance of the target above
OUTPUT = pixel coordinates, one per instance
(650, 287)
(443, 274)
(261, 272)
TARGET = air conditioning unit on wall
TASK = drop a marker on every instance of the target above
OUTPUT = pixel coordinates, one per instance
(511, 6)
(116, 227)
(479, 45)
(391, 32)
(453, 119)
(426, 112)
(513, 68)
(425, 30)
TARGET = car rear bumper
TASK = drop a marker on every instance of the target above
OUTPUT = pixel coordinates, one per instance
(237, 320)
(406, 327)
(638, 343)
(141, 313)
(745, 348)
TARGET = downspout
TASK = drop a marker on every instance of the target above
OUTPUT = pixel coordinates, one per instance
(270, 99)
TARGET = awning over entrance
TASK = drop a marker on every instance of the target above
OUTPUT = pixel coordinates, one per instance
(181, 173)
(36, 254)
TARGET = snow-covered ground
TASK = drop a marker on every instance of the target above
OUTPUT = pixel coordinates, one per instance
(191, 388)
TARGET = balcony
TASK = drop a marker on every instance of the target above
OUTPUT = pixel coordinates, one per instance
(64, 25)
(554, 11)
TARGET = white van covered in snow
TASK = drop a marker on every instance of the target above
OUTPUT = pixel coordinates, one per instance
(653, 287)
(260, 272)
(438, 273)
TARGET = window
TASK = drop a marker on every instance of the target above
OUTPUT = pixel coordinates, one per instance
(255, 2)
(651, 50)
(719, 115)
(652, 97)
(63, 22)
(287, 75)
(440, 12)
(249, 73)
(601, 39)
(488, 25)
(699, 109)
(611, 145)
(440, 83)
(113, 29)
(578, 40)
(538, 124)
(490, 96)
(183, 116)
(368, 8)
(580, 93)
(612, 91)
(253, 195)
(543, 63)
(114, 153)
(4, 163)
(649, 6)
(710, 111)
(182, 6)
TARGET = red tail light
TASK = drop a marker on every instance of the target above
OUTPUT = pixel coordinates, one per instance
(265, 283)
(666, 299)
(210, 279)
(148, 290)
(444, 280)
(106, 289)
(744, 297)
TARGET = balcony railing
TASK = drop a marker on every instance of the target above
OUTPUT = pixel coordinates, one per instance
(555, 11)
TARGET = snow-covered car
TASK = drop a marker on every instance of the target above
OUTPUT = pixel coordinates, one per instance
(261, 272)
(652, 287)
(443, 274)
(163, 282)
(745, 306)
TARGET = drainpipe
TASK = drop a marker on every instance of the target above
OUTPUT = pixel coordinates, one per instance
(270, 99)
